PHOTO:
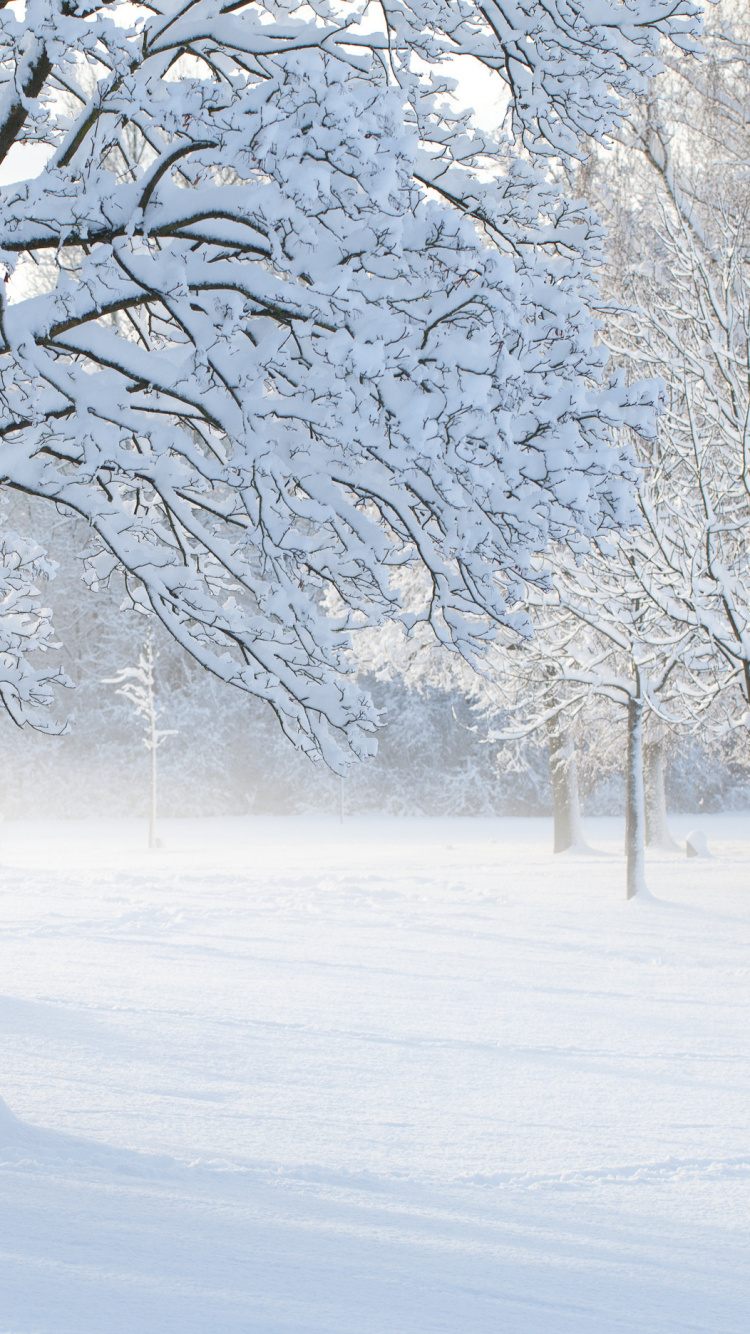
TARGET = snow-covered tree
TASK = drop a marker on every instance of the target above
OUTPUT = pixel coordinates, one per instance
(138, 685)
(679, 268)
(598, 637)
(26, 635)
(601, 634)
(295, 323)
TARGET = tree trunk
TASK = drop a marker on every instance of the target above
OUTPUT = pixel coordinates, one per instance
(152, 812)
(635, 811)
(565, 801)
(654, 765)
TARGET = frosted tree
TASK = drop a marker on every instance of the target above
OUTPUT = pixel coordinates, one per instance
(610, 629)
(679, 258)
(599, 638)
(295, 323)
(27, 687)
(138, 685)
(604, 634)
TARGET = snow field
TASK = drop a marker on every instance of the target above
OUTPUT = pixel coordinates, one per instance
(395, 1077)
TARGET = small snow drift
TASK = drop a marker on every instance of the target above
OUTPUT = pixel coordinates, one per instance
(16, 1138)
(696, 845)
(7, 1120)
(27, 1145)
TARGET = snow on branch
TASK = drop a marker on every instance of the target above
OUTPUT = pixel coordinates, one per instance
(27, 690)
(294, 325)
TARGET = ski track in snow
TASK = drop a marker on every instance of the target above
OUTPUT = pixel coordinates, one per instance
(395, 1077)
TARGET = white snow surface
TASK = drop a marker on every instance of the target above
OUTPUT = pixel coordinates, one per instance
(395, 1077)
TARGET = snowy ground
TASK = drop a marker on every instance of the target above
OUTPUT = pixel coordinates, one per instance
(395, 1078)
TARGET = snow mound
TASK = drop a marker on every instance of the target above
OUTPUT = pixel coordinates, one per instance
(30, 1147)
(696, 844)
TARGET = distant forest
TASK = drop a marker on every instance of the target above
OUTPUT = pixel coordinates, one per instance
(229, 757)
